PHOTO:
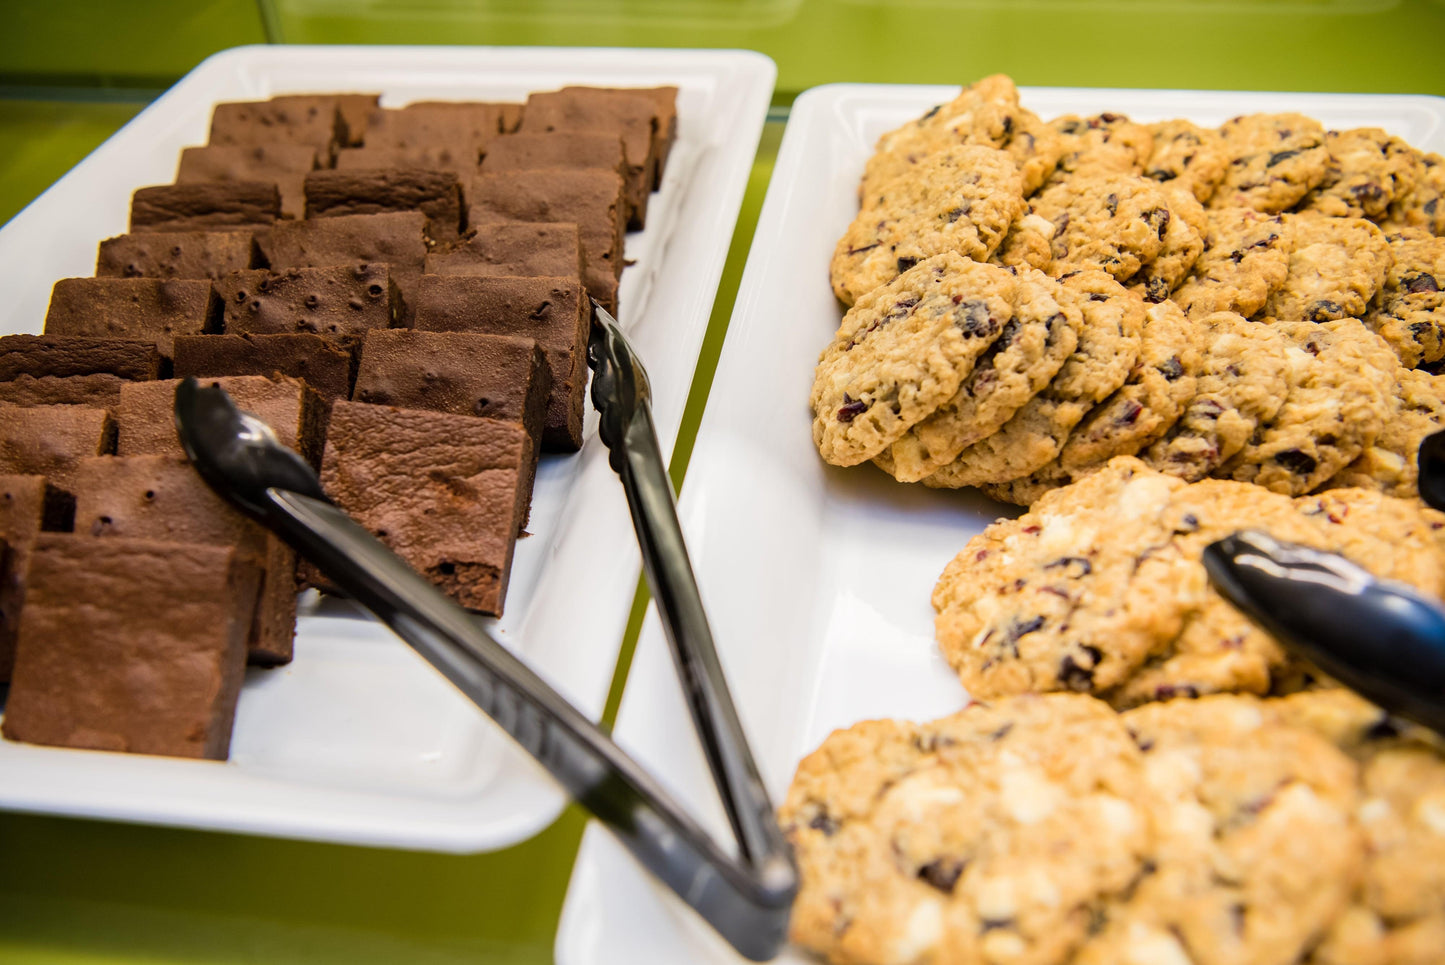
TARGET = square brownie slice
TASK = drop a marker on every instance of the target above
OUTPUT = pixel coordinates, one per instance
(319, 362)
(63, 355)
(313, 120)
(627, 114)
(130, 645)
(147, 424)
(460, 159)
(164, 498)
(448, 493)
(453, 123)
(553, 311)
(136, 308)
(514, 248)
(22, 513)
(590, 198)
(340, 302)
(397, 239)
(356, 111)
(570, 149)
(664, 102)
(205, 206)
(494, 376)
(437, 194)
(175, 254)
(101, 390)
(284, 165)
(50, 440)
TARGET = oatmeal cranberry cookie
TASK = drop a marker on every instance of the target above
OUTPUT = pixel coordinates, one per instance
(1034, 344)
(1409, 309)
(1335, 268)
(1105, 144)
(1241, 383)
(1389, 463)
(1275, 160)
(1257, 848)
(1368, 171)
(1035, 147)
(984, 114)
(1423, 206)
(1182, 244)
(1116, 223)
(1340, 377)
(1245, 259)
(1160, 383)
(960, 199)
(903, 350)
(1028, 243)
(1111, 321)
(1100, 588)
(960, 839)
(1188, 155)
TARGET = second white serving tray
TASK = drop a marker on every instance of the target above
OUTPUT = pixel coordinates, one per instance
(358, 740)
(817, 579)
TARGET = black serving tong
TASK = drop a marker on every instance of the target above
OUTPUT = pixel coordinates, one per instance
(1381, 638)
(746, 898)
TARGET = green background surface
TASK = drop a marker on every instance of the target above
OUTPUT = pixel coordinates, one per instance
(73, 71)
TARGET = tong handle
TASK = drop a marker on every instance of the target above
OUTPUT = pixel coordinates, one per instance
(586, 762)
(621, 394)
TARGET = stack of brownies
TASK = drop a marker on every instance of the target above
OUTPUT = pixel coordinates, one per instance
(402, 294)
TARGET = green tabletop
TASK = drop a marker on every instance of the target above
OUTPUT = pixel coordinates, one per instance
(73, 71)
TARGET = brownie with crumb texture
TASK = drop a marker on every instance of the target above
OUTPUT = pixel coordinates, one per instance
(175, 254)
(448, 493)
(131, 645)
(133, 308)
(205, 206)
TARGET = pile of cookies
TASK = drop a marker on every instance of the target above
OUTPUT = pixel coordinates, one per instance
(1027, 300)
(1146, 776)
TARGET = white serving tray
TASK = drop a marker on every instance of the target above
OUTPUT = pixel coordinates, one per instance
(817, 579)
(358, 740)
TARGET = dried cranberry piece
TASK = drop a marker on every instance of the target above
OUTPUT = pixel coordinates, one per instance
(1421, 283)
(1296, 461)
(851, 409)
(942, 874)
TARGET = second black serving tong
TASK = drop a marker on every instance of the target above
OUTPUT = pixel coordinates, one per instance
(746, 898)
(1380, 638)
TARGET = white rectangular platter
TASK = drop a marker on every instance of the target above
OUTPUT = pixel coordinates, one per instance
(817, 579)
(358, 740)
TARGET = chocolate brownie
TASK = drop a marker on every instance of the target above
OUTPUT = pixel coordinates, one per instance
(664, 134)
(512, 248)
(340, 302)
(397, 239)
(22, 511)
(315, 360)
(554, 311)
(312, 120)
(163, 498)
(205, 206)
(448, 493)
(100, 390)
(136, 308)
(50, 440)
(437, 194)
(496, 376)
(591, 199)
(473, 123)
(460, 159)
(631, 115)
(130, 645)
(175, 254)
(284, 165)
(356, 111)
(63, 355)
(566, 149)
(147, 423)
